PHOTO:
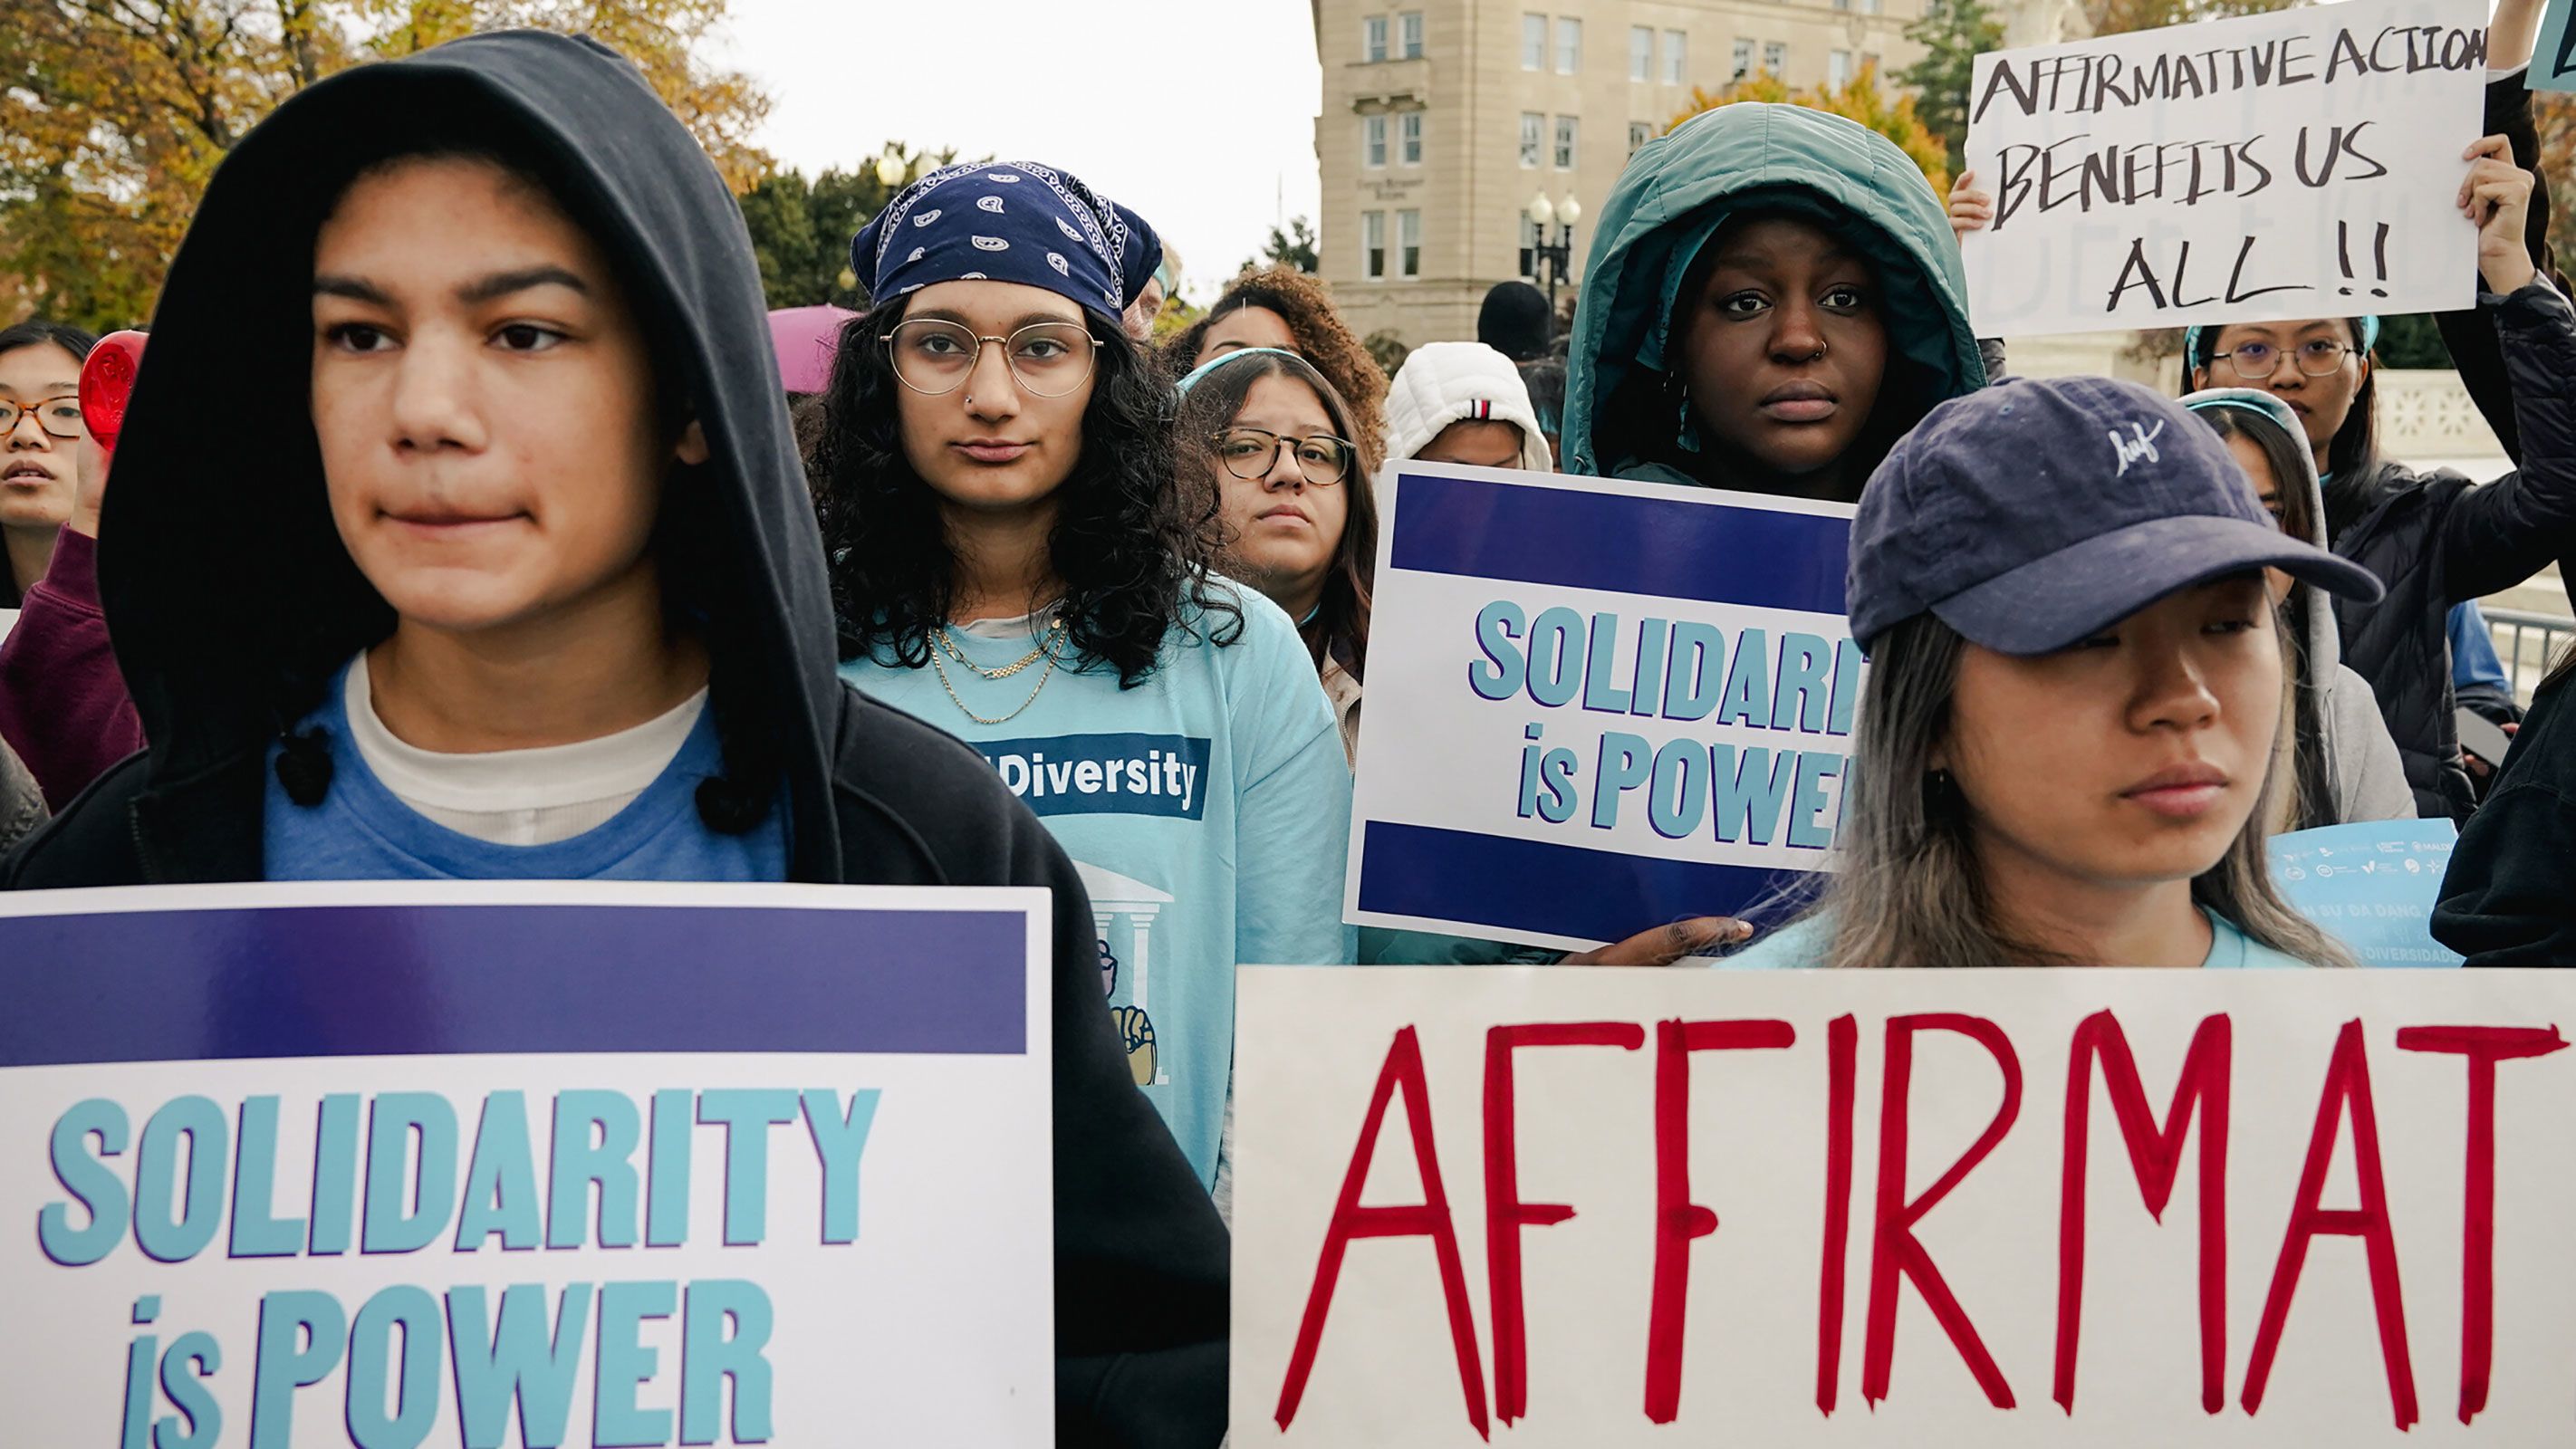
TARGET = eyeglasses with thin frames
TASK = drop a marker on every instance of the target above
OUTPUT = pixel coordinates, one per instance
(934, 357)
(2261, 361)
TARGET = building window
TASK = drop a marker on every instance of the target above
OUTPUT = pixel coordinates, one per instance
(1641, 53)
(1775, 57)
(1533, 42)
(1531, 122)
(1639, 133)
(1373, 245)
(1530, 239)
(1408, 137)
(1373, 38)
(1873, 7)
(1838, 69)
(1408, 243)
(1569, 45)
(1743, 62)
(1676, 58)
(1408, 29)
(1565, 143)
(1373, 142)
(1869, 62)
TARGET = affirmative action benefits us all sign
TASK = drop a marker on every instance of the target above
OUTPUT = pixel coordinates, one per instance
(2299, 163)
(475, 1165)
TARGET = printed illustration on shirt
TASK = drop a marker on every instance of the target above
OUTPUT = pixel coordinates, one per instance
(1123, 912)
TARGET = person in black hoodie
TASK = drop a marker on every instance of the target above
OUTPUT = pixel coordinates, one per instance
(548, 512)
(2505, 900)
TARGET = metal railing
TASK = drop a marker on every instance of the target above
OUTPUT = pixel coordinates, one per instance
(2528, 643)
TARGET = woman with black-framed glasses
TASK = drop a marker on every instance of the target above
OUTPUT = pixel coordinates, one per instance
(40, 429)
(1266, 437)
(1013, 563)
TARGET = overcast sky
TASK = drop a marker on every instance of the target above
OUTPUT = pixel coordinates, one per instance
(1198, 113)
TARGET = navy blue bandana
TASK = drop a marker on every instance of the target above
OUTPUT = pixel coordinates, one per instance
(1144, 255)
(1003, 222)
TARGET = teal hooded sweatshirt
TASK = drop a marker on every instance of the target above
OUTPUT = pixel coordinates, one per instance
(1622, 415)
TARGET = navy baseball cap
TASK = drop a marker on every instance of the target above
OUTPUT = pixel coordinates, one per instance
(2032, 514)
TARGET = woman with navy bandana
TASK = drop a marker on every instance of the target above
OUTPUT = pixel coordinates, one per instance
(1013, 562)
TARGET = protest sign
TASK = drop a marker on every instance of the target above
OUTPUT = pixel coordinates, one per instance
(2108, 1209)
(2300, 163)
(2553, 55)
(1595, 706)
(538, 1164)
(2371, 885)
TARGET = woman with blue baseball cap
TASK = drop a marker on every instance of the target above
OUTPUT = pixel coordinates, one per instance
(2066, 753)
(1013, 561)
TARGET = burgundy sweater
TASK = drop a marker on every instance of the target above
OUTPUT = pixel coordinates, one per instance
(63, 706)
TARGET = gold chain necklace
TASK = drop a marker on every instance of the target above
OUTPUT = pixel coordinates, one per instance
(1046, 648)
(1055, 627)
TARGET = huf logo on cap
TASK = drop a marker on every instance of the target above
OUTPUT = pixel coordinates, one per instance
(2141, 446)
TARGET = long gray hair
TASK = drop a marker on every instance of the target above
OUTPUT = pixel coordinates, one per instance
(1909, 891)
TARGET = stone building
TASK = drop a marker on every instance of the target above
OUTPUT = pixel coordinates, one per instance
(1441, 120)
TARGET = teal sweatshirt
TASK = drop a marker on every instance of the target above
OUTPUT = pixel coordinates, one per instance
(1208, 811)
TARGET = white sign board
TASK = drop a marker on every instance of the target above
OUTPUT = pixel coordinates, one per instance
(469, 1165)
(1903, 1208)
(2302, 163)
(1594, 706)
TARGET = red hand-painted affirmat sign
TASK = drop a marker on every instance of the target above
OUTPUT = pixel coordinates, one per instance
(1918, 1208)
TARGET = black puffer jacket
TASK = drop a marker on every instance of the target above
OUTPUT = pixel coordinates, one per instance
(2436, 538)
(873, 796)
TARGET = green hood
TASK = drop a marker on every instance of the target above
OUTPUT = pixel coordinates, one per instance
(1677, 191)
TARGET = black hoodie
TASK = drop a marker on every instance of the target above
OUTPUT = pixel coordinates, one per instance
(230, 599)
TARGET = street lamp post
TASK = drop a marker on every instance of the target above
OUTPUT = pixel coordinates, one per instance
(1553, 260)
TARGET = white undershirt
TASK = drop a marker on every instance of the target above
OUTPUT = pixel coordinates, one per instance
(1017, 627)
(519, 797)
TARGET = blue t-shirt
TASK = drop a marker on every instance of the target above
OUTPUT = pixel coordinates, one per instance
(1208, 811)
(361, 831)
(2473, 654)
(1802, 944)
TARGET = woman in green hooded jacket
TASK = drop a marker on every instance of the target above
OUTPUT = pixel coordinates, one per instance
(1772, 298)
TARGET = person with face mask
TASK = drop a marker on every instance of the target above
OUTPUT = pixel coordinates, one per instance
(541, 598)
(1773, 297)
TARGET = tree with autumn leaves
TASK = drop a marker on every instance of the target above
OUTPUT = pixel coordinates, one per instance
(114, 113)
(1860, 99)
